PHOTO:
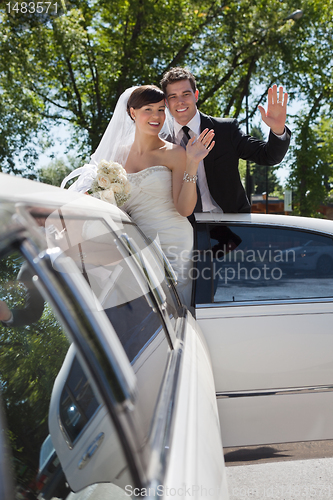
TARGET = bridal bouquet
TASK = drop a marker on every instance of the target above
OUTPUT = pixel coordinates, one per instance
(111, 184)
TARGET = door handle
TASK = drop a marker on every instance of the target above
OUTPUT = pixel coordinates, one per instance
(91, 450)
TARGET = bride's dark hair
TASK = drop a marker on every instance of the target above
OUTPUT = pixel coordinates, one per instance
(146, 94)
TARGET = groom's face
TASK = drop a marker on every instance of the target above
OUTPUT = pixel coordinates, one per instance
(182, 101)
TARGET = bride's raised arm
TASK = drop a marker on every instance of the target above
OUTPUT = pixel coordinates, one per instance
(184, 171)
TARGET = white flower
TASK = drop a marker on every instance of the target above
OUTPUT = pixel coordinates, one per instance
(111, 184)
(103, 164)
(122, 179)
(108, 196)
(103, 181)
(116, 188)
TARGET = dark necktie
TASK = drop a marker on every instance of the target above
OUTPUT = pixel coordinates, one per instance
(186, 135)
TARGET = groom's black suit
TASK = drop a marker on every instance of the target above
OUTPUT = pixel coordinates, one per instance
(221, 164)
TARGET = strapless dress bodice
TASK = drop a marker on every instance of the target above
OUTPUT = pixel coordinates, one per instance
(144, 178)
(152, 208)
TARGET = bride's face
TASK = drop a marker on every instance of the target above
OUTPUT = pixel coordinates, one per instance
(150, 117)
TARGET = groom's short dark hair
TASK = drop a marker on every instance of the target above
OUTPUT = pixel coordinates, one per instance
(146, 94)
(175, 75)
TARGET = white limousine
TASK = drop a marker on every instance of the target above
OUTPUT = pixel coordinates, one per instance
(138, 394)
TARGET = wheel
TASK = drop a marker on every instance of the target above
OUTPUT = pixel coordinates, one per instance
(324, 265)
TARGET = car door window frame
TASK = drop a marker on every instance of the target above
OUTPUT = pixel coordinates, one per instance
(116, 391)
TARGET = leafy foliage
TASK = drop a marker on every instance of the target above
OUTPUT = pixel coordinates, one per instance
(264, 178)
(311, 171)
(73, 66)
(57, 170)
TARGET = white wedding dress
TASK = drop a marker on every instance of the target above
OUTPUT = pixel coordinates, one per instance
(151, 207)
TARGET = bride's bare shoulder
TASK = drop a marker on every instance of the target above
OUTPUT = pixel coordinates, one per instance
(174, 156)
(169, 146)
(174, 151)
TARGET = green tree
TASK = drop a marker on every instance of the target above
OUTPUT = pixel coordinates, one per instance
(72, 67)
(312, 168)
(264, 178)
(57, 170)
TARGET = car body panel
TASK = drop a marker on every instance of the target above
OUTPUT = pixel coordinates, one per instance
(272, 357)
(189, 475)
(271, 347)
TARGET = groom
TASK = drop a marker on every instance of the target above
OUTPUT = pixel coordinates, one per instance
(220, 187)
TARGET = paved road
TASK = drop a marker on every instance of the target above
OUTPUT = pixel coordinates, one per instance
(281, 472)
(278, 452)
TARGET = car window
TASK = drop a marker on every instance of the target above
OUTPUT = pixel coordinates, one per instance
(78, 402)
(236, 263)
(117, 262)
(120, 289)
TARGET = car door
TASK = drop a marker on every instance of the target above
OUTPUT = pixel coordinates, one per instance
(265, 306)
(117, 359)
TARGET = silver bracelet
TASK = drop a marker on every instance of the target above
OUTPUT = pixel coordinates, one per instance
(190, 178)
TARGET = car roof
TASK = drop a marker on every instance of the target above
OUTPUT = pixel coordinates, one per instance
(295, 222)
(14, 189)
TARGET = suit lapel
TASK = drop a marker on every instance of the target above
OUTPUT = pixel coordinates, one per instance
(206, 122)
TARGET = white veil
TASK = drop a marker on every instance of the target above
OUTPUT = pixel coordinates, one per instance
(114, 146)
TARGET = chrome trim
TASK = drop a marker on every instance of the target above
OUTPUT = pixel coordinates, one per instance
(264, 302)
(251, 222)
(162, 428)
(64, 432)
(91, 450)
(275, 392)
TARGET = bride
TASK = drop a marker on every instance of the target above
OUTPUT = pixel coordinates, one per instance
(162, 175)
